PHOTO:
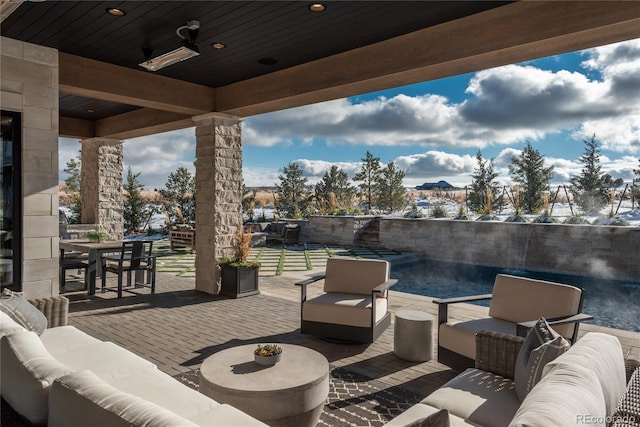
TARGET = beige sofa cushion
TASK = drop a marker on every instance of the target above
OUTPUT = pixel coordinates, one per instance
(26, 374)
(82, 398)
(419, 411)
(355, 276)
(569, 395)
(602, 354)
(227, 416)
(163, 390)
(479, 397)
(520, 299)
(106, 360)
(343, 309)
(460, 337)
(64, 339)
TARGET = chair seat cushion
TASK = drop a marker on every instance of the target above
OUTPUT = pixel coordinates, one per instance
(460, 337)
(420, 411)
(479, 397)
(343, 309)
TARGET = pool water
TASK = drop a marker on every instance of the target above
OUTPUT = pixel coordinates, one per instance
(613, 303)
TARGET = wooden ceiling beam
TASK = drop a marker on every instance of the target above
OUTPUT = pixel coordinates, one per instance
(76, 128)
(509, 34)
(99, 80)
(141, 122)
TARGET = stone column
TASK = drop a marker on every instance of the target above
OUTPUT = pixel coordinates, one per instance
(218, 193)
(102, 192)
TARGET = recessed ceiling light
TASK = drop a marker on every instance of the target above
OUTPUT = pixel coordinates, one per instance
(115, 11)
(267, 61)
(218, 45)
(317, 7)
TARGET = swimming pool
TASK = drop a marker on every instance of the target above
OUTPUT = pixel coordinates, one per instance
(613, 303)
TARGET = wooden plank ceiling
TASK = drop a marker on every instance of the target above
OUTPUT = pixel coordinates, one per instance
(352, 47)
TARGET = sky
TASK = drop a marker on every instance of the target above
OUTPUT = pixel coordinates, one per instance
(433, 130)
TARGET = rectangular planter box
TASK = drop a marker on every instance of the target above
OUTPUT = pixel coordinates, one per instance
(239, 281)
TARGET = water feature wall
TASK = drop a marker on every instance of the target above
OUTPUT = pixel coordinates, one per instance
(588, 250)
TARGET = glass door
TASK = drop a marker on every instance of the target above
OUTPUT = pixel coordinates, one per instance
(11, 214)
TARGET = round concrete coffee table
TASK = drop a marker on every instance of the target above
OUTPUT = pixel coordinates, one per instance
(290, 393)
(413, 335)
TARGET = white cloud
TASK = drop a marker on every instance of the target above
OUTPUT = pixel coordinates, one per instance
(505, 106)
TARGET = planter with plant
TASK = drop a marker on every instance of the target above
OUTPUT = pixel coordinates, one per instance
(267, 354)
(239, 276)
(97, 236)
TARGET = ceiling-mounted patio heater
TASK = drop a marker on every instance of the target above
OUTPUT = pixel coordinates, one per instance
(188, 49)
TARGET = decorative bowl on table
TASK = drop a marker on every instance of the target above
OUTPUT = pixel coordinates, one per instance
(267, 354)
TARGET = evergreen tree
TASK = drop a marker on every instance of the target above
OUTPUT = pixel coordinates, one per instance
(482, 180)
(368, 177)
(528, 170)
(73, 187)
(334, 190)
(636, 184)
(390, 192)
(590, 189)
(292, 200)
(248, 202)
(134, 206)
(180, 192)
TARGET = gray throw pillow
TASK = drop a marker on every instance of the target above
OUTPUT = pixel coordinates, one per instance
(541, 346)
(23, 312)
(437, 419)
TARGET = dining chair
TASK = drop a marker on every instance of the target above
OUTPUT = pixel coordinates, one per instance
(70, 260)
(134, 256)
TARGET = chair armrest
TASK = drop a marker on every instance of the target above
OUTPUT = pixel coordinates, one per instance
(310, 280)
(382, 287)
(443, 304)
(523, 327)
(463, 299)
(303, 286)
(55, 309)
(497, 352)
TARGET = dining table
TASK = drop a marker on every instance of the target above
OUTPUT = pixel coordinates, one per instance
(95, 250)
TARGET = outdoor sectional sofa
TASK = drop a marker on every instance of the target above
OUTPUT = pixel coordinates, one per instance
(64, 377)
(586, 385)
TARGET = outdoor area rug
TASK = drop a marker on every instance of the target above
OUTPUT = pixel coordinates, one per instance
(354, 399)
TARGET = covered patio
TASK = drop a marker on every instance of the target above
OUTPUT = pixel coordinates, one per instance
(369, 385)
(73, 69)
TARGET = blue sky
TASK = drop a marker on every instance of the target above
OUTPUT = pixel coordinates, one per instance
(433, 130)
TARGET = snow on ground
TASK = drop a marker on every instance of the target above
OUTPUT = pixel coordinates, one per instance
(560, 211)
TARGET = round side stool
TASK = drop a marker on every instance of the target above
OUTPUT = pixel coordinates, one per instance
(413, 335)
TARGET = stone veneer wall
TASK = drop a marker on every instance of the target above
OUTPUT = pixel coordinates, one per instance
(600, 251)
(102, 189)
(219, 193)
(29, 84)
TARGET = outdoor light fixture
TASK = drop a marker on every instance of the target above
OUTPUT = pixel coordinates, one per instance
(188, 49)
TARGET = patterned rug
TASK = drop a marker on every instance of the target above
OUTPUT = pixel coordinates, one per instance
(354, 400)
